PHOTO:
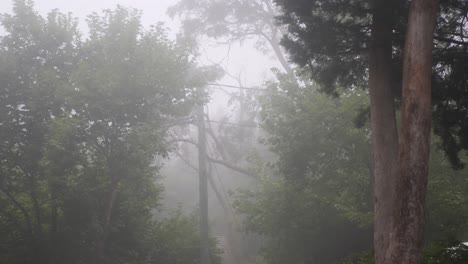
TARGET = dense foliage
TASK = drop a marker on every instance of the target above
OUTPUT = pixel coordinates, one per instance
(83, 131)
(330, 40)
(316, 207)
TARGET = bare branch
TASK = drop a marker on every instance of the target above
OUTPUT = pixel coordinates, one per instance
(231, 166)
(210, 180)
(221, 162)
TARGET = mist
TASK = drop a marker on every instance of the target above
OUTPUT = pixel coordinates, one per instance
(233, 132)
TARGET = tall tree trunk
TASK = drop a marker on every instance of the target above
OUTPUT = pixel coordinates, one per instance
(407, 234)
(101, 238)
(383, 123)
(35, 202)
(273, 39)
(39, 247)
(274, 43)
(53, 256)
(203, 188)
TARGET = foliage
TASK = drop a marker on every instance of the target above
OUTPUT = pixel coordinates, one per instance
(176, 233)
(232, 21)
(330, 40)
(359, 258)
(447, 251)
(229, 21)
(83, 132)
(316, 206)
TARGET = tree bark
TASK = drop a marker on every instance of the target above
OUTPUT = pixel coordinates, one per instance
(203, 189)
(383, 123)
(407, 232)
(101, 238)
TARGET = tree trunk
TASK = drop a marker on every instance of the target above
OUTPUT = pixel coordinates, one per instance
(53, 256)
(203, 188)
(274, 43)
(35, 202)
(407, 235)
(101, 239)
(383, 123)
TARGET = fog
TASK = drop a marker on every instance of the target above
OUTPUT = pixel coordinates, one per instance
(233, 132)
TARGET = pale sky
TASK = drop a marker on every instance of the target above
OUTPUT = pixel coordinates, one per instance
(253, 65)
(154, 10)
(243, 58)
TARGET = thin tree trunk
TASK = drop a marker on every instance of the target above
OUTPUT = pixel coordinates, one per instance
(203, 188)
(407, 235)
(383, 123)
(273, 40)
(101, 239)
(279, 54)
(53, 256)
(34, 200)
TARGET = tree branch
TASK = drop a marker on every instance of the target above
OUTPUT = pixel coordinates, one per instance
(221, 162)
(23, 210)
(210, 180)
(449, 40)
(231, 166)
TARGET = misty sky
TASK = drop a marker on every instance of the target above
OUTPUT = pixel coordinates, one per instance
(250, 64)
(154, 10)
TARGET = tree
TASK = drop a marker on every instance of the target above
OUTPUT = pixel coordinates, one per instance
(84, 127)
(233, 21)
(406, 241)
(227, 23)
(384, 129)
(37, 61)
(128, 88)
(334, 40)
(316, 205)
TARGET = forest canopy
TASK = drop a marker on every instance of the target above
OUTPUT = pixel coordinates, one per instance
(124, 142)
(84, 122)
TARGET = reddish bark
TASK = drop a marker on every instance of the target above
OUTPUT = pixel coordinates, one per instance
(383, 122)
(408, 222)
